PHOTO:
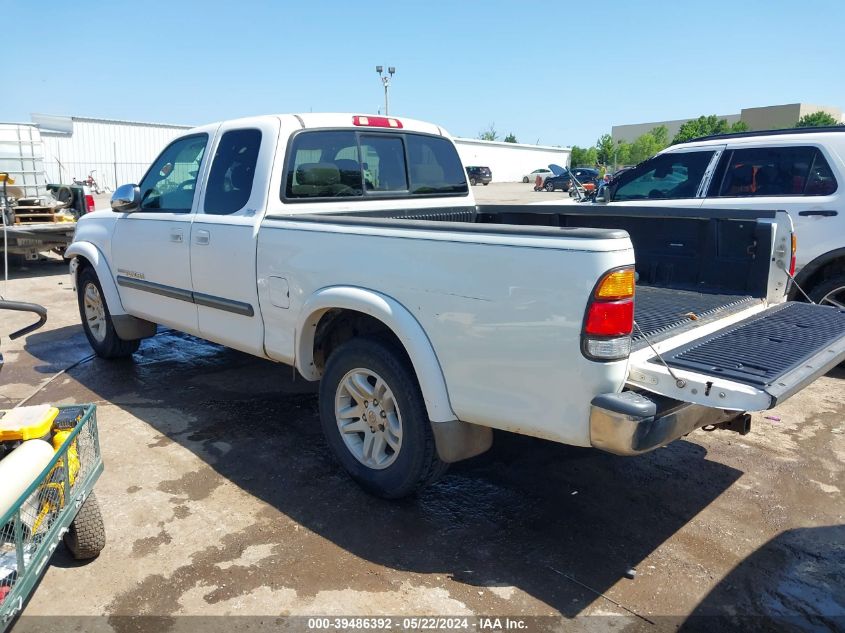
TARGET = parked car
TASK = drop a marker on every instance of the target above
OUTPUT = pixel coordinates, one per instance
(564, 181)
(481, 175)
(269, 236)
(532, 177)
(799, 170)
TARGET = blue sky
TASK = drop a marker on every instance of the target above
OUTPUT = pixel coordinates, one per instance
(541, 70)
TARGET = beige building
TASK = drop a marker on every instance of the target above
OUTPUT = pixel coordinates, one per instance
(765, 118)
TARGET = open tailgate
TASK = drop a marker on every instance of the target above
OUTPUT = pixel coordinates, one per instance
(753, 364)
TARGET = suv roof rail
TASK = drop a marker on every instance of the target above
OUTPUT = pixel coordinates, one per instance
(791, 130)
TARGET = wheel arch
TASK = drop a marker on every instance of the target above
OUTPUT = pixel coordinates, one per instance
(87, 254)
(817, 271)
(396, 319)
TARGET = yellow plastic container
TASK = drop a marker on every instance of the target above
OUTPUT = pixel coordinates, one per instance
(9, 179)
(27, 423)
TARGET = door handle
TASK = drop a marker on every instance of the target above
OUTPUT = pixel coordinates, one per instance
(203, 237)
(824, 214)
(177, 235)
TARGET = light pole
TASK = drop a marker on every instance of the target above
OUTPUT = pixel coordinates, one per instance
(385, 79)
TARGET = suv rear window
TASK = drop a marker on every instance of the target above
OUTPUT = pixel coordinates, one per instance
(340, 163)
(775, 171)
(666, 176)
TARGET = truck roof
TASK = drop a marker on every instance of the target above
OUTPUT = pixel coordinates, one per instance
(339, 120)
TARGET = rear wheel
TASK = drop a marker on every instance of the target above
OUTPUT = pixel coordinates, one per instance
(830, 292)
(374, 419)
(86, 535)
(525, 179)
(96, 319)
(472, 181)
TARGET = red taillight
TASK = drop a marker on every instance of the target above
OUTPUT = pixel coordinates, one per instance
(792, 259)
(89, 203)
(377, 121)
(610, 318)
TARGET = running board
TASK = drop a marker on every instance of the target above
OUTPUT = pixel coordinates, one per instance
(755, 363)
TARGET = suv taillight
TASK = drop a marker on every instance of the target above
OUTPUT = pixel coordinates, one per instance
(792, 259)
(89, 203)
(609, 319)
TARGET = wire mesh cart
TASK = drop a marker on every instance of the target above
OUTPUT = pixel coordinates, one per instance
(58, 505)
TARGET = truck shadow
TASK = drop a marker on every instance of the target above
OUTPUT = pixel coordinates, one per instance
(528, 514)
(19, 269)
(797, 580)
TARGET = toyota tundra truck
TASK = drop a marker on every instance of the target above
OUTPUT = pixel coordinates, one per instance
(351, 248)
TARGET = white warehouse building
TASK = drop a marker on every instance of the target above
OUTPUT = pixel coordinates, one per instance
(118, 151)
(509, 162)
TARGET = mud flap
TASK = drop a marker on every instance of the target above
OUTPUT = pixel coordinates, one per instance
(751, 365)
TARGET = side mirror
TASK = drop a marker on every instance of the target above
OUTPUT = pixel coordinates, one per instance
(126, 199)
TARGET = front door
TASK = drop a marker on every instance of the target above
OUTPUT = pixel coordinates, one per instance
(150, 247)
(224, 233)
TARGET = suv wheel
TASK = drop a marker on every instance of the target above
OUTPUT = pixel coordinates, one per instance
(472, 181)
(830, 292)
(550, 186)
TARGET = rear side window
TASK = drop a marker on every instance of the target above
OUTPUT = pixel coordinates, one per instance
(434, 166)
(330, 163)
(776, 171)
(665, 177)
(232, 172)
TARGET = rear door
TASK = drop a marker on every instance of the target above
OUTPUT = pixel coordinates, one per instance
(750, 362)
(797, 177)
(677, 178)
(224, 232)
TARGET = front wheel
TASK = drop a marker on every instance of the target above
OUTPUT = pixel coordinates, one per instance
(96, 319)
(550, 187)
(525, 179)
(375, 421)
(472, 181)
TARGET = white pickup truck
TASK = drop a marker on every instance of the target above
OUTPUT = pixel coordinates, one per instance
(351, 248)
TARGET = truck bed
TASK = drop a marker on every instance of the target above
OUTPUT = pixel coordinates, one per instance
(664, 312)
(691, 270)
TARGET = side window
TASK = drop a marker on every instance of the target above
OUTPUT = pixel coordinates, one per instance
(435, 167)
(324, 165)
(383, 160)
(667, 176)
(232, 172)
(170, 183)
(777, 171)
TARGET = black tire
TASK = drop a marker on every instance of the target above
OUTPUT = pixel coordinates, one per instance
(550, 187)
(111, 345)
(86, 536)
(485, 183)
(416, 464)
(472, 181)
(822, 289)
(525, 179)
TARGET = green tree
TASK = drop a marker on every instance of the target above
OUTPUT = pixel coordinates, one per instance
(661, 135)
(706, 126)
(489, 134)
(817, 119)
(605, 148)
(623, 154)
(583, 156)
(510, 138)
(644, 147)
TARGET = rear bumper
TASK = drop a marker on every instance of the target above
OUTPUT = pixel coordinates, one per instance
(630, 423)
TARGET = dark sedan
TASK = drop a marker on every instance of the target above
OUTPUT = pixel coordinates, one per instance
(564, 181)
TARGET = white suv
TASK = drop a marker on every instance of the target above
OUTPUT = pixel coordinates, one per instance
(799, 170)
